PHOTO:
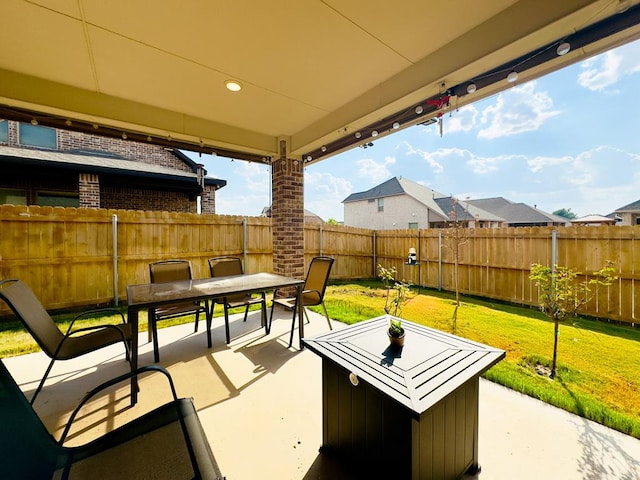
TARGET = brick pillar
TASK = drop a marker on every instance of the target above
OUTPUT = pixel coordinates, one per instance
(208, 199)
(287, 216)
(89, 189)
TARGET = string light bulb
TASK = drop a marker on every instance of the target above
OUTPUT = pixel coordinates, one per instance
(358, 135)
(419, 110)
(34, 121)
(68, 123)
(396, 125)
(124, 136)
(374, 133)
(563, 48)
(512, 77)
(323, 148)
(472, 87)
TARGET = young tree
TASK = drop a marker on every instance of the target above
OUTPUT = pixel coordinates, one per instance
(454, 237)
(561, 295)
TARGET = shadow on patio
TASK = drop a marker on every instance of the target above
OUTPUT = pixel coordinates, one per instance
(260, 405)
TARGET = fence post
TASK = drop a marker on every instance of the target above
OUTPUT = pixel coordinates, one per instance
(554, 250)
(375, 257)
(114, 230)
(244, 241)
(321, 240)
(440, 261)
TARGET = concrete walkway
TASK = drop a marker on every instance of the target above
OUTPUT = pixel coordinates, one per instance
(260, 405)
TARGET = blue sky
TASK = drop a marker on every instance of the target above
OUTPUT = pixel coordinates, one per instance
(567, 140)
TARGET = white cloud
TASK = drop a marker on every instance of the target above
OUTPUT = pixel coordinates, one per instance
(518, 110)
(375, 171)
(603, 71)
(537, 164)
(256, 176)
(429, 157)
(324, 193)
(462, 120)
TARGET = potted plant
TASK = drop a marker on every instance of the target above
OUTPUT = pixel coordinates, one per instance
(396, 297)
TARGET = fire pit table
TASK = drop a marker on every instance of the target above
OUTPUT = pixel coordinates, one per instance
(401, 413)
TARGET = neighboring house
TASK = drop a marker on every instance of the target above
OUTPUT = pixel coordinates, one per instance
(629, 214)
(593, 221)
(46, 166)
(519, 214)
(467, 213)
(309, 217)
(399, 203)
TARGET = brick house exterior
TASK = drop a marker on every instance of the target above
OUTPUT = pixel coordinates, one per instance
(70, 168)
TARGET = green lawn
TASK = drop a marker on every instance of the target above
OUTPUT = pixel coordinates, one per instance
(599, 363)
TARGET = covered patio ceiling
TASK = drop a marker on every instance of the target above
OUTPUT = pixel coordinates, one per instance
(323, 75)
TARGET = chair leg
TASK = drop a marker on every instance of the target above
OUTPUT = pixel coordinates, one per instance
(326, 314)
(246, 312)
(273, 306)
(41, 384)
(195, 330)
(293, 322)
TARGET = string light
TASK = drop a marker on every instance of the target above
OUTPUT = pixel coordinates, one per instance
(419, 110)
(471, 88)
(563, 48)
(512, 77)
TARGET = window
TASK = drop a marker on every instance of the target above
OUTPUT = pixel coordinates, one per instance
(4, 131)
(12, 197)
(413, 225)
(381, 204)
(58, 200)
(37, 136)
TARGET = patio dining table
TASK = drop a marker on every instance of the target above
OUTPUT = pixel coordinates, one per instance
(153, 295)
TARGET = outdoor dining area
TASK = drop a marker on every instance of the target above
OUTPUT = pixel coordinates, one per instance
(254, 403)
(260, 406)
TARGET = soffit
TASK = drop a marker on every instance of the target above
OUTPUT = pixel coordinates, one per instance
(313, 72)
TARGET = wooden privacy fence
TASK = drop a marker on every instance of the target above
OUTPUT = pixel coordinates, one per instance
(78, 257)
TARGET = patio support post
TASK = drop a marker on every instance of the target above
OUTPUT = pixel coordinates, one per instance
(287, 215)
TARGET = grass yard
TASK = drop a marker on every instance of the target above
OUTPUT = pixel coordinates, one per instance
(598, 363)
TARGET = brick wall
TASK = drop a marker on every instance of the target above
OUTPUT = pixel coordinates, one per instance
(145, 199)
(98, 192)
(208, 200)
(89, 190)
(287, 217)
(140, 152)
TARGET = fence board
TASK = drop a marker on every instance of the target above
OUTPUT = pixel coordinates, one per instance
(66, 254)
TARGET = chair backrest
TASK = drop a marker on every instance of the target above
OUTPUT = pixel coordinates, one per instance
(32, 314)
(28, 449)
(225, 266)
(170, 270)
(317, 278)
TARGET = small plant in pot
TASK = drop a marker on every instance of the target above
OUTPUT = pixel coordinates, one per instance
(396, 297)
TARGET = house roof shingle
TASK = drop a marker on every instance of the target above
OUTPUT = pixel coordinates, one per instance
(99, 163)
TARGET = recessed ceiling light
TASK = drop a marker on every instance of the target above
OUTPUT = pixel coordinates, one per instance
(233, 85)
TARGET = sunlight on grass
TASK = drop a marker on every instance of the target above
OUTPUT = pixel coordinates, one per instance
(598, 362)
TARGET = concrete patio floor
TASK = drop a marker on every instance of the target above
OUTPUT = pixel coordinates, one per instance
(260, 405)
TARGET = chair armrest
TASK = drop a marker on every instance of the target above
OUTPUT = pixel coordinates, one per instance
(93, 312)
(112, 382)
